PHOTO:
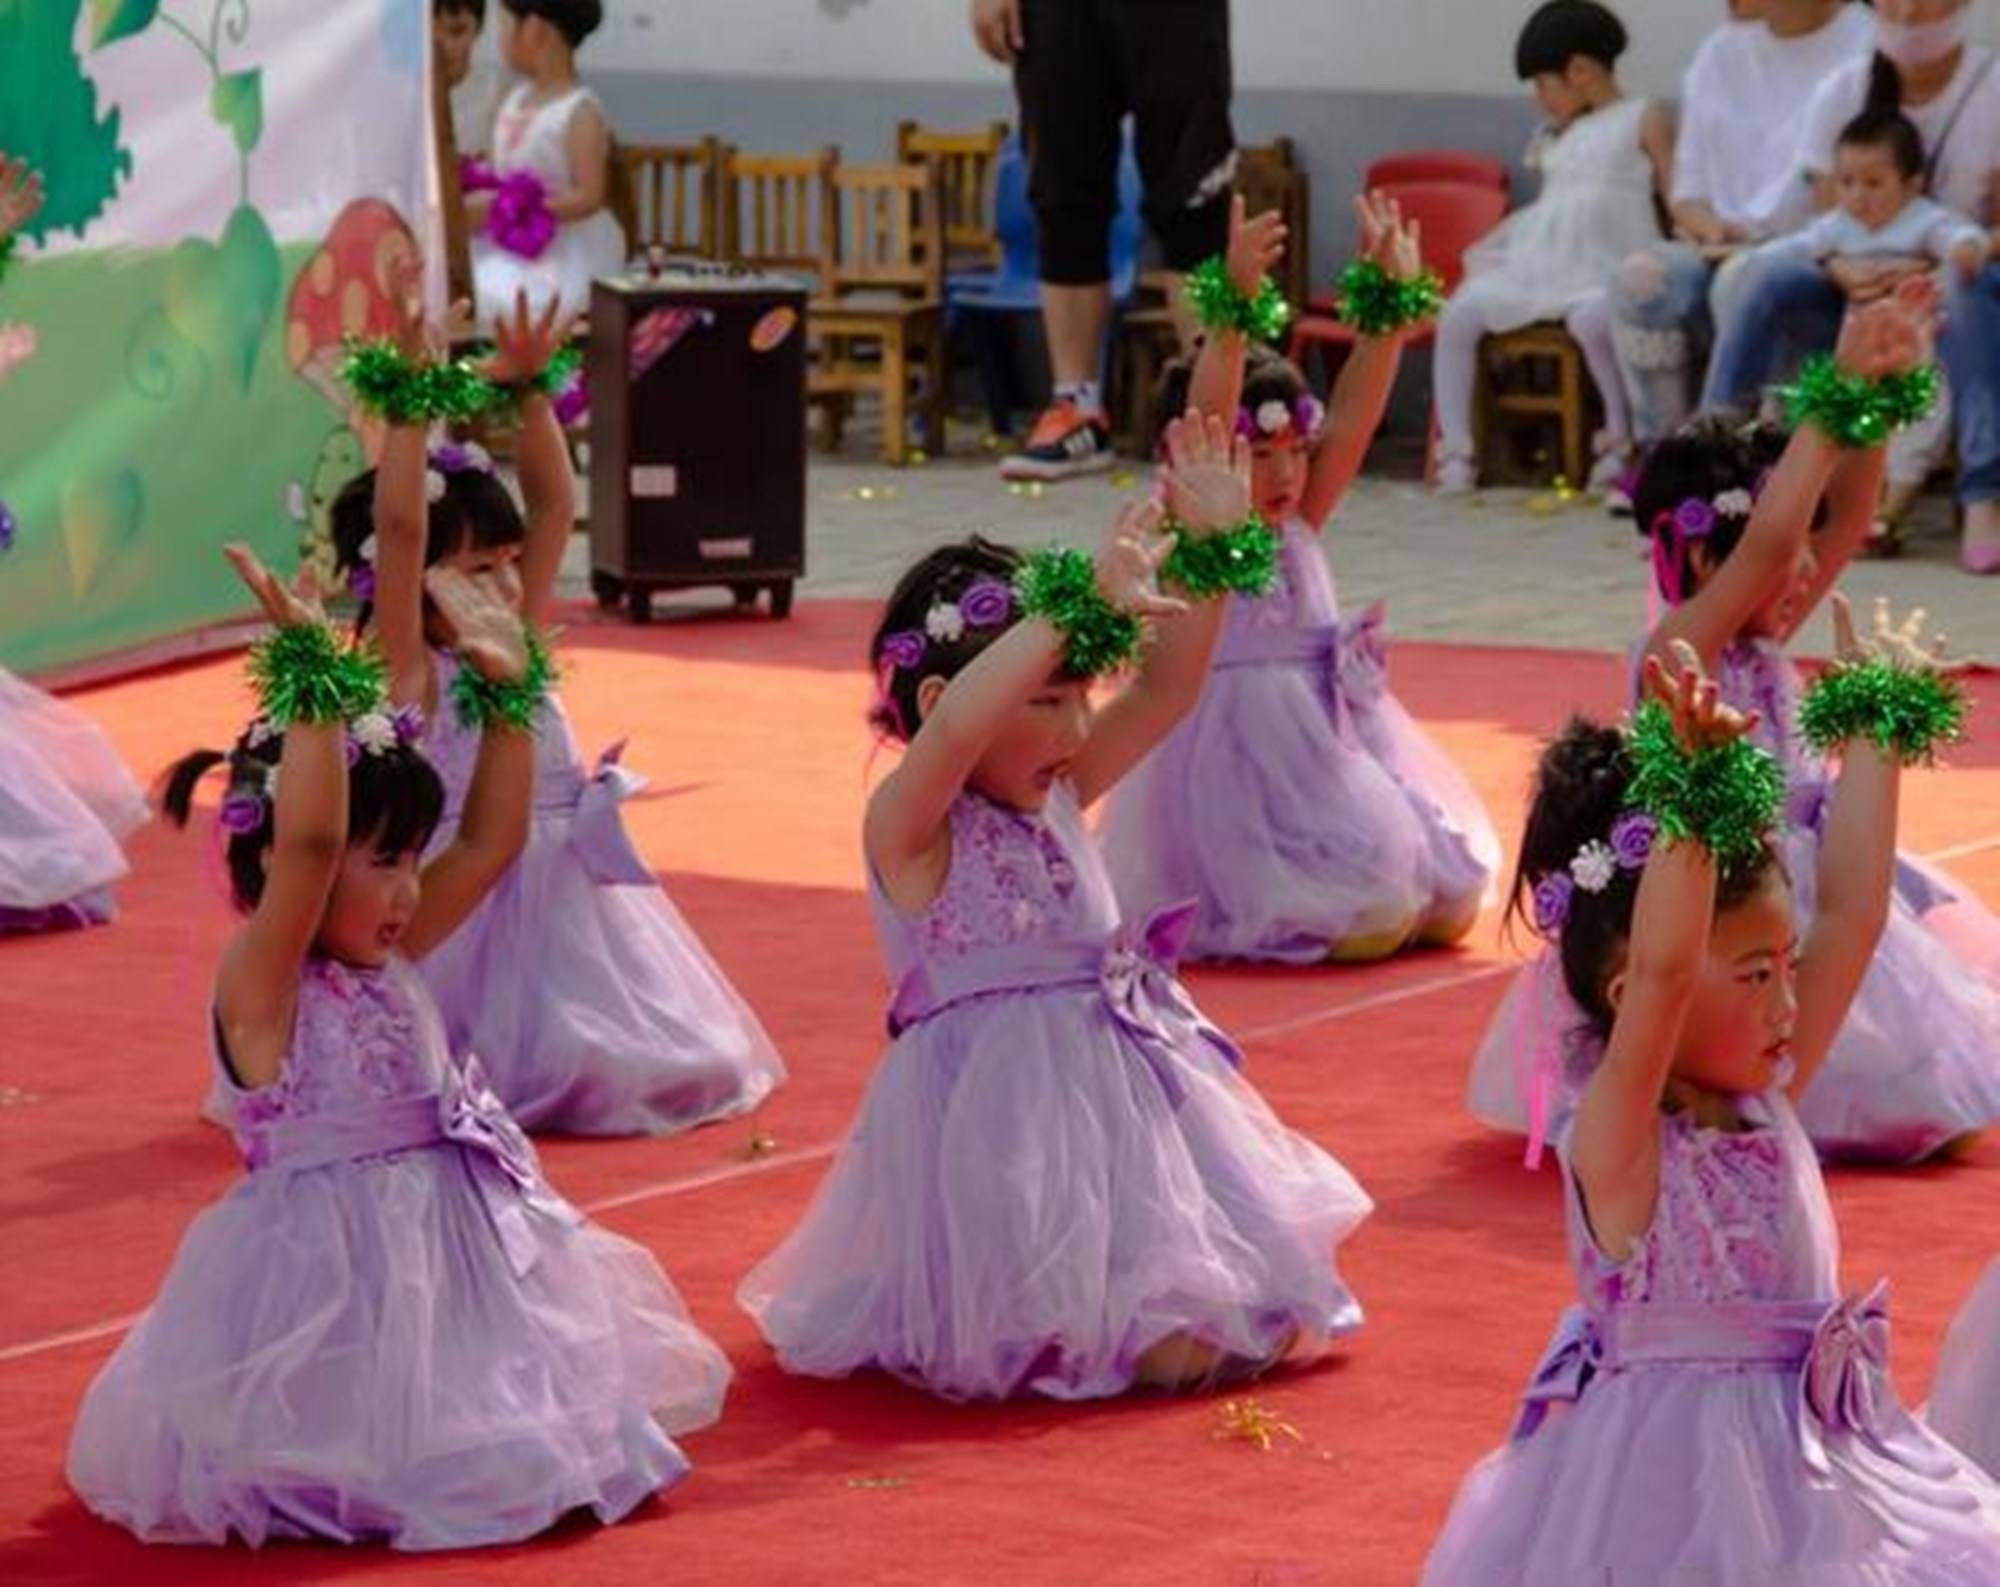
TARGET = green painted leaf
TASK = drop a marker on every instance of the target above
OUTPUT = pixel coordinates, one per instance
(221, 296)
(237, 101)
(50, 118)
(101, 518)
(112, 20)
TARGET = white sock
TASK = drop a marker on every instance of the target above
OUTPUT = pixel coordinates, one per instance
(1082, 394)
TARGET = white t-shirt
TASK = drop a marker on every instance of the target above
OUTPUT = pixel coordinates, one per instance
(1743, 105)
(1921, 229)
(1970, 154)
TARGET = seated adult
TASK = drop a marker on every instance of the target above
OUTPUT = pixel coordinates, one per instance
(1950, 89)
(1736, 182)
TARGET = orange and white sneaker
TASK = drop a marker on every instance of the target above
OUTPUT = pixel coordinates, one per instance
(1066, 441)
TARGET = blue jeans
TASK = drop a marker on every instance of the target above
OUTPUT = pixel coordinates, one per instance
(1661, 329)
(1970, 345)
(1789, 308)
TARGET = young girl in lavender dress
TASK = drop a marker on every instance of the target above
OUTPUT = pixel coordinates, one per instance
(1059, 1183)
(539, 221)
(1965, 1394)
(589, 1000)
(1298, 802)
(1729, 514)
(66, 800)
(391, 1330)
(1606, 163)
(1713, 1410)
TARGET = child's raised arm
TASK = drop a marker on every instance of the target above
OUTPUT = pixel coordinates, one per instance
(1361, 394)
(1615, 1146)
(1856, 858)
(494, 825)
(402, 525)
(256, 988)
(1255, 248)
(525, 344)
(1884, 338)
(1207, 485)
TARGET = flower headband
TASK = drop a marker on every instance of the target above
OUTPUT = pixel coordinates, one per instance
(449, 457)
(1273, 418)
(1694, 520)
(373, 733)
(1592, 868)
(987, 604)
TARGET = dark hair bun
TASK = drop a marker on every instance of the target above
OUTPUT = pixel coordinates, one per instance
(575, 20)
(1564, 29)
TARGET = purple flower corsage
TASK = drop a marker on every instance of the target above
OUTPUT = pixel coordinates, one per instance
(521, 221)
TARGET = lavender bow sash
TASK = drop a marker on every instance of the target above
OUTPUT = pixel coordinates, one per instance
(1840, 1354)
(1281, 647)
(1134, 972)
(502, 1163)
(597, 832)
(1364, 655)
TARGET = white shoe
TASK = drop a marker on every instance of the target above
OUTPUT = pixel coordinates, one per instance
(1456, 476)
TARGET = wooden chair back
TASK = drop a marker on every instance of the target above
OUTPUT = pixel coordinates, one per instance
(966, 164)
(883, 231)
(665, 195)
(774, 208)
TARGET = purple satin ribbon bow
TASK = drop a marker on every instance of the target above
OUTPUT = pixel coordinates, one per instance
(1147, 999)
(1844, 1385)
(1364, 654)
(597, 828)
(1573, 1358)
(506, 1172)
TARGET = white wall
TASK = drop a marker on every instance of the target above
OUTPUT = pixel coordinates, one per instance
(1386, 46)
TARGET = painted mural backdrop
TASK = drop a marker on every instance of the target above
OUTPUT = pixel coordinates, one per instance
(229, 184)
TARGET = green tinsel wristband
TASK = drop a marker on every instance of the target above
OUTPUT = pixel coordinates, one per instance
(552, 382)
(305, 674)
(406, 391)
(1376, 303)
(1726, 798)
(1241, 561)
(1853, 411)
(482, 702)
(1060, 584)
(1221, 305)
(1902, 711)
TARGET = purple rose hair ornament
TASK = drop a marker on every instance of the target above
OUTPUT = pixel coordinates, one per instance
(8, 526)
(1632, 838)
(904, 650)
(1553, 894)
(242, 812)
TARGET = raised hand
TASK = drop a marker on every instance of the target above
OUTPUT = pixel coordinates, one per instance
(1902, 644)
(484, 614)
(415, 337)
(20, 196)
(1129, 560)
(1692, 698)
(1207, 478)
(525, 341)
(996, 24)
(1256, 245)
(1396, 244)
(288, 606)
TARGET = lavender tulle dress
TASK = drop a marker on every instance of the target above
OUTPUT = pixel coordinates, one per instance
(392, 1329)
(1917, 1061)
(66, 804)
(588, 999)
(1714, 1412)
(1965, 1394)
(1057, 1166)
(1299, 802)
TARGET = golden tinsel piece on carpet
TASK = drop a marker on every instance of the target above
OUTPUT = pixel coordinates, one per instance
(878, 1482)
(1253, 1423)
(761, 1145)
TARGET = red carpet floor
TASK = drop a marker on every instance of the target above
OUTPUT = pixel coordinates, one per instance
(751, 732)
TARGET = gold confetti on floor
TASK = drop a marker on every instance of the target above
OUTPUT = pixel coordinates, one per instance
(761, 1145)
(1253, 1423)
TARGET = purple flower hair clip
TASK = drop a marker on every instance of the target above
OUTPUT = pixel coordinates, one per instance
(1552, 900)
(378, 732)
(904, 650)
(1592, 869)
(987, 604)
(1274, 418)
(242, 812)
(461, 457)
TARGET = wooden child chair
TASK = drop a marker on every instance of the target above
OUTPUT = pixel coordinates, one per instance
(670, 194)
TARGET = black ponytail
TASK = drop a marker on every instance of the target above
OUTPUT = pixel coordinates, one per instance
(1885, 86)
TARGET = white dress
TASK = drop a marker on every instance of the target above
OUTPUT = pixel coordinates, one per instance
(1595, 210)
(535, 138)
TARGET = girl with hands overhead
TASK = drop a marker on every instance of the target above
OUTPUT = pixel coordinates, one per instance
(1710, 1324)
(1299, 802)
(322, 1357)
(590, 1000)
(1059, 1183)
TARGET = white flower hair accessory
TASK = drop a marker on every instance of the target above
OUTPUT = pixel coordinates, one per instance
(434, 486)
(1273, 416)
(1734, 504)
(1593, 867)
(945, 623)
(375, 733)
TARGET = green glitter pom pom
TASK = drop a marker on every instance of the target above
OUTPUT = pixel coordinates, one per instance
(1904, 712)
(406, 391)
(482, 702)
(1241, 561)
(1726, 797)
(1060, 584)
(1220, 304)
(552, 382)
(1376, 303)
(1853, 411)
(304, 674)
